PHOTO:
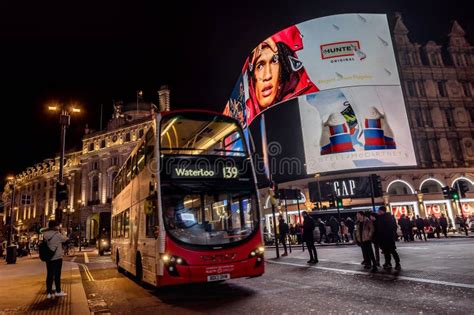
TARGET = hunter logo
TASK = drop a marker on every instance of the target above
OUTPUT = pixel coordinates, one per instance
(341, 49)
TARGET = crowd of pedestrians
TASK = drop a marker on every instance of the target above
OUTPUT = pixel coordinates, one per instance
(375, 232)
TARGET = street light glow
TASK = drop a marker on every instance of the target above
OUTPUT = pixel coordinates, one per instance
(76, 110)
(10, 177)
(53, 108)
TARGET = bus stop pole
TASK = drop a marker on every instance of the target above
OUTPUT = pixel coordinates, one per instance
(275, 231)
(288, 222)
(299, 220)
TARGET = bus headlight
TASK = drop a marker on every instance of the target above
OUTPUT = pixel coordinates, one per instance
(257, 253)
(165, 258)
(261, 249)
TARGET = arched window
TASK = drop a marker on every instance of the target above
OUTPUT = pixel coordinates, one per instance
(399, 188)
(431, 186)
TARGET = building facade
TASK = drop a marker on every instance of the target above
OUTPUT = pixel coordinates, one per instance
(88, 173)
(438, 86)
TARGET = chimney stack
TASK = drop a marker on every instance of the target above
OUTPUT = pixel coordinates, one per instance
(164, 98)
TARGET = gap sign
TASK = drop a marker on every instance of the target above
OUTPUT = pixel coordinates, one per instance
(355, 187)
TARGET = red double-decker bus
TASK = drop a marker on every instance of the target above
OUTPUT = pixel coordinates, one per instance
(186, 206)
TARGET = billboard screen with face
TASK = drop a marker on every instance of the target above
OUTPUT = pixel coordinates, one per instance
(341, 75)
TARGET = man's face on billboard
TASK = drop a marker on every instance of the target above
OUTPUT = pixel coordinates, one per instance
(267, 73)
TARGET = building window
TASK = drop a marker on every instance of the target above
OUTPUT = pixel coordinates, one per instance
(471, 113)
(434, 146)
(95, 165)
(417, 117)
(425, 151)
(404, 59)
(428, 120)
(102, 143)
(466, 88)
(411, 88)
(421, 87)
(114, 160)
(442, 88)
(415, 59)
(95, 188)
(434, 60)
(449, 117)
(91, 146)
(127, 137)
(456, 148)
(140, 133)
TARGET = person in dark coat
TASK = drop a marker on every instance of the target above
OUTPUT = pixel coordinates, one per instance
(420, 227)
(308, 237)
(375, 239)
(283, 229)
(404, 226)
(386, 230)
(443, 222)
(350, 225)
(322, 231)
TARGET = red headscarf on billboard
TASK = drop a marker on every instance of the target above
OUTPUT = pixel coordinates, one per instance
(275, 73)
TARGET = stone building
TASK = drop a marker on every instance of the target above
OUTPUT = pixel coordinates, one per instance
(88, 173)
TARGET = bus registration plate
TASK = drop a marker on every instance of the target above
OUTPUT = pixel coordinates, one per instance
(224, 276)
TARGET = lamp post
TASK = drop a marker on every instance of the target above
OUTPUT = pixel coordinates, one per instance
(64, 121)
(68, 211)
(319, 191)
(11, 249)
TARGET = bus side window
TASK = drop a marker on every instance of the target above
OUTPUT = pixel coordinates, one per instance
(126, 223)
(119, 225)
(141, 158)
(128, 171)
(151, 215)
(134, 166)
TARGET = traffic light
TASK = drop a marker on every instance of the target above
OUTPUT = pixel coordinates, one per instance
(463, 188)
(454, 194)
(446, 192)
(376, 185)
(339, 202)
(61, 191)
(331, 201)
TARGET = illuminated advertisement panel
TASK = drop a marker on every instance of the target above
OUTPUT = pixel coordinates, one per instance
(340, 74)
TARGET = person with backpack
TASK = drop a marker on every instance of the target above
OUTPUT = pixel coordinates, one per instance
(308, 237)
(51, 252)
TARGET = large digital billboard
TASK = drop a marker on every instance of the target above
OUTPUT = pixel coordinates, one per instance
(340, 73)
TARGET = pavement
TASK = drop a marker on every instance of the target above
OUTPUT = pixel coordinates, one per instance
(23, 289)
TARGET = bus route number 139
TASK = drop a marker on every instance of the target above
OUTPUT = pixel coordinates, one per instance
(230, 172)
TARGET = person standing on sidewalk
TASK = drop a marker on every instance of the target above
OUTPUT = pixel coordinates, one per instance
(387, 229)
(443, 222)
(364, 236)
(420, 227)
(375, 239)
(283, 229)
(53, 267)
(308, 228)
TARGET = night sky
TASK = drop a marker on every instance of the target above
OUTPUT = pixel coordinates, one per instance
(92, 53)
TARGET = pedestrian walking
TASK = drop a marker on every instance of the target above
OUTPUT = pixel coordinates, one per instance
(55, 240)
(283, 229)
(364, 235)
(443, 223)
(308, 228)
(375, 240)
(404, 223)
(322, 231)
(350, 226)
(420, 227)
(386, 230)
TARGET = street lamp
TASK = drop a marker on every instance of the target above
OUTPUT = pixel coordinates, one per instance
(64, 121)
(11, 249)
